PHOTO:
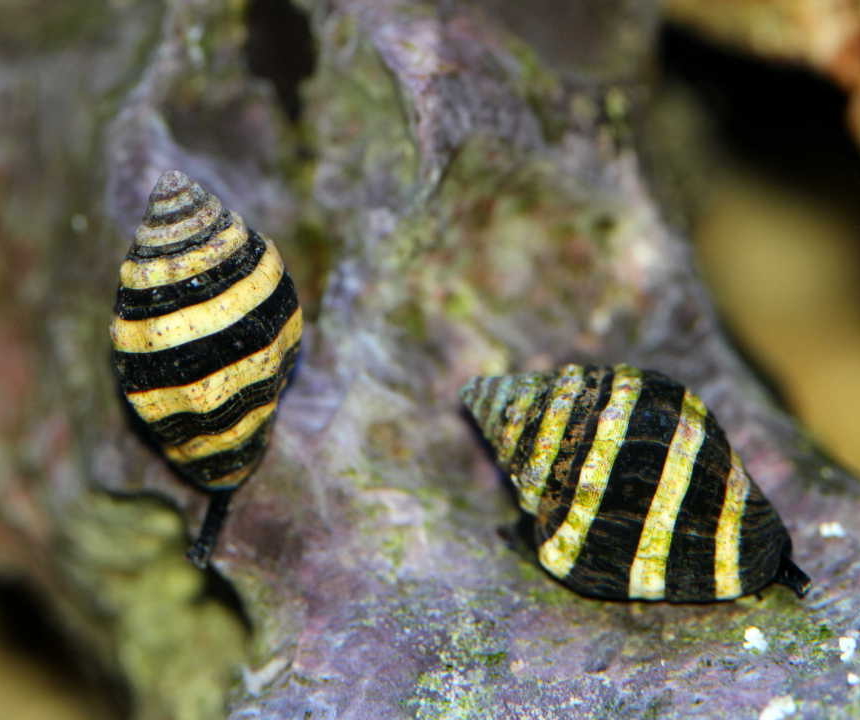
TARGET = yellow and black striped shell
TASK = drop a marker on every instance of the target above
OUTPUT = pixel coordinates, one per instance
(206, 328)
(635, 490)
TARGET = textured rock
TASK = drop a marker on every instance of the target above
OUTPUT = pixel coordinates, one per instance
(456, 201)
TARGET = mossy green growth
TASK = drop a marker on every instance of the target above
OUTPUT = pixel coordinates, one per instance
(540, 87)
(543, 590)
(446, 694)
(791, 629)
(785, 623)
(208, 35)
(460, 685)
(409, 317)
(521, 239)
(393, 547)
(358, 118)
(178, 650)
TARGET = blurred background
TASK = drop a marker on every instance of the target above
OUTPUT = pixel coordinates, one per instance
(751, 135)
(764, 154)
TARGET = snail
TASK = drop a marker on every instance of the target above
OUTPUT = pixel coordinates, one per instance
(635, 489)
(205, 331)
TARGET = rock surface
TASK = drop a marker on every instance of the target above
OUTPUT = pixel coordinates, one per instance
(457, 199)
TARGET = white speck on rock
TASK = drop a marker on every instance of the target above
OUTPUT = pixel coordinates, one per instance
(847, 646)
(853, 679)
(831, 530)
(754, 639)
(256, 681)
(195, 50)
(778, 708)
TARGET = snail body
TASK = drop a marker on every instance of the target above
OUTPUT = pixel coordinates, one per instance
(635, 490)
(206, 329)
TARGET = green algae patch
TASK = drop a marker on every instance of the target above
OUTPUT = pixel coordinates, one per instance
(460, 683)
(449, 694)
(351, 92)
(787, 629)
(179, 649)
(517, 237)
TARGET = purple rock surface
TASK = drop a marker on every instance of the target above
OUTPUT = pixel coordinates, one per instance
(458, 198)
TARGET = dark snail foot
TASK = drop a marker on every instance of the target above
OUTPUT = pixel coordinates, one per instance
(792, 576)
(203, 546)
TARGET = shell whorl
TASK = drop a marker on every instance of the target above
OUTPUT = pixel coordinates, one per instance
(179, 213)
(506, 407)
(500, 406)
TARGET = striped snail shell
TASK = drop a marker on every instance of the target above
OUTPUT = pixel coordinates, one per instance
(635, 490)
(205, 330)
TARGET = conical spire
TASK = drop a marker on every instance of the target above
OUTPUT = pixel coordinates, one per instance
(178, 209)
(170, 184)
(529, 410)
(500, 406)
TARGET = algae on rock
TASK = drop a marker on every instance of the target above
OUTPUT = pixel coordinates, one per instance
(455, 200)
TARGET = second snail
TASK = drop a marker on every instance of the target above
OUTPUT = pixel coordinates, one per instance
(635, 490)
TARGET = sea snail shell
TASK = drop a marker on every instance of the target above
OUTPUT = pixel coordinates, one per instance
(635, 489)
(205, 330)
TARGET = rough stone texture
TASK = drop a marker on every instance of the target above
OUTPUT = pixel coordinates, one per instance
(457, 200)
